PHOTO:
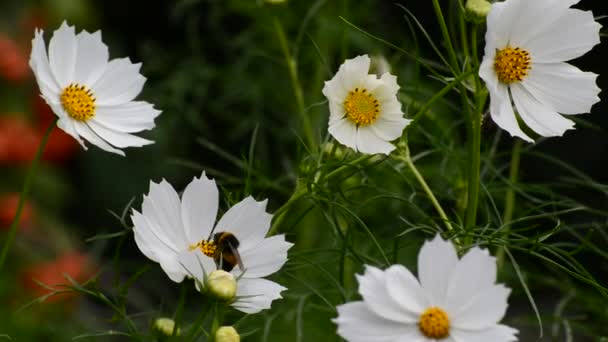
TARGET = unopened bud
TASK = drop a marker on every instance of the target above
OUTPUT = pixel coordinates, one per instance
(227, 334)
(164, 327)
(379, 65)
(477, 10)
(221, 285)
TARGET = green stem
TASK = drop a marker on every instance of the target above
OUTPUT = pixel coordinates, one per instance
(295, 82)
(24, 193)
(507, 215)
(446, 37)
(408, 161)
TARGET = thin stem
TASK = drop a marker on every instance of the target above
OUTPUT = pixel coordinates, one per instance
(446, 37)
(507, 215)
(24, 193)
(408, 161)
(295, 82)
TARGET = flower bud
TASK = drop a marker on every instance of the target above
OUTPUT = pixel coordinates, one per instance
(221, 285)
(227, 334)
(477, 10)
(163, 327)
(379, 65)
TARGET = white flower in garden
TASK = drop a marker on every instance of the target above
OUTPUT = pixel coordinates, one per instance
(92, 97)
(180, 236)
(454, 301)
(364, 112)
(527, 44)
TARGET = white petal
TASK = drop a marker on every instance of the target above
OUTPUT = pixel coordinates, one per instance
(405, 289)
(162, 208)
(66, 123)
(389, 128)
(129, 117)
(498, 28)
(357, 323)
(570, 36)
(156, 248)
(62, 54)
(563, 87)
(388, 88)
(247, 220)
(540, 118)
(436, 260)
(117, 138)
(196, 265)
(482, 310)
(265, 258)
(373, 289)
(255, 295)
(345, 132)
(369, 142)
(334, 91)
(85, 131)
(39, 63)
(475, 272)
(92, 58)
(200, 201)
(336, 112)
(121, 82)
(497, 333)
(353, 72)
(501, 109)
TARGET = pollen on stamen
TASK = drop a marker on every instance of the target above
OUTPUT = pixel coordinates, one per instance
(434, 323)
(78, 101)
(361, 107)
(208, 248)
(512, 64)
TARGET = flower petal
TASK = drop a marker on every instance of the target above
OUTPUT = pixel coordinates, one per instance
(116, 138)
(570, 36)
(129, 117)
(196, 265)
(480, 310)
(358, 323)
(369, 142)
(389, 128)
(373, 289)
(353, 72)
(405, 289)
(92, 58)
(474, 272)
(255, 295)
(162, 208)
(540, 118)
(501, 109)
(436, 261)
(85, 131)
(497, 333)
(563, 87)
(248, 221)
(39, 63)
(199, 205)
(265, 258)
(345, 132)
(62, 54)
(121, 82)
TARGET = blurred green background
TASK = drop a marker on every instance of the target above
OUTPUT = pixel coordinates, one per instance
(217, 71)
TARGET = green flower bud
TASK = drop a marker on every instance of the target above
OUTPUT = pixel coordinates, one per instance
(163, 327)
(227, 334)
(477, 10)
(221, 285)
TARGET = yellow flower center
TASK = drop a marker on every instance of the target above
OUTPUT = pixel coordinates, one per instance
(434, 323)
(78, 101)
(512, 64)
(361, 107)
(207, 247)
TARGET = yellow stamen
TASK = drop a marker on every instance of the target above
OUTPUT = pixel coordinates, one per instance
(78, 101)
(512, 64)
(434, 323)
(361, 107)
(207, 247)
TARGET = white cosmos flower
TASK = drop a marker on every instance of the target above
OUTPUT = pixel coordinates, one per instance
(177, 234)
(527, 44)
(92, 97)
(364, 112)
(454, 301)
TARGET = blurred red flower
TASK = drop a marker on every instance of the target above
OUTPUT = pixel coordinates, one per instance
(18, 140)
(13, 60)
(76, 265)
(8, 209)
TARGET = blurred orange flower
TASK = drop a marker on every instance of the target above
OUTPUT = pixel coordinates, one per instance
(8, 208)
(18, 140)
(13, 60)
(76, 265)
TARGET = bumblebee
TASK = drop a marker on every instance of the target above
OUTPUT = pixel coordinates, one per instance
(227, 255)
